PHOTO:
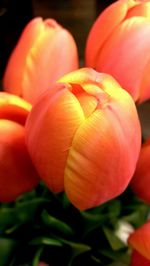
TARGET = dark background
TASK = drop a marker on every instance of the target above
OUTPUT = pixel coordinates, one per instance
(75, 15)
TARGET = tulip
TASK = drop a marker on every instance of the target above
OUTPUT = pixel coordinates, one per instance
(139, 240)
(119, 44)
(138, 260)
(13, 108)
(44, 52)
(141, 179)
(84, 136)
(17, 173)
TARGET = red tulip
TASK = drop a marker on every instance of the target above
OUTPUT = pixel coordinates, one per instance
(139, 240)
(17, 174)
(45, 52)
(119, 44)
(84, 135)
(141, 179)
(138, 260)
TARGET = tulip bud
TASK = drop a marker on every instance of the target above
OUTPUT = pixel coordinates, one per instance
(138, 260)
(139, 240)
(45, 52)
(84, 136)
(17, 173)
(119, 44)
(141, 179)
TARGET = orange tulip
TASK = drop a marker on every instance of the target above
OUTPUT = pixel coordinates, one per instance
(139, 240)
(119, 44)
(141, 179)
(138, 260)
(84, 135)
(17, 174)
(13, 108)
(45, 52)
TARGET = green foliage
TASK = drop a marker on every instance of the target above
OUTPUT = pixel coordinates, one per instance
(41, 226)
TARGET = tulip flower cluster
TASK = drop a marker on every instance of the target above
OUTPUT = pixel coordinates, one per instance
(76, 129)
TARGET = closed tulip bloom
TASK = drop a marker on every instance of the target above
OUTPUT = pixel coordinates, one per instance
(17, 174)
(13, 108)
(84, 136)
(119, 44)
(44, 52)
(138, 260)
(141, 179)
(139, 240)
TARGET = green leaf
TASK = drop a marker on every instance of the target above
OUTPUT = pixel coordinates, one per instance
(138, 215)
(91, 222)
(37, 256)
(26, 196)
(56, 224)
(45, 241)
(7, 247)
(120, 256)
(76, 249)
(25, 210)
(95, 259)
(13, 228)
(113, 240)
(7, 217)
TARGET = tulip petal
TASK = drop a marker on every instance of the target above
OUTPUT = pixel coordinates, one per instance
(13, 76)
(59, 45)
(13, 108)
(100, 136)
(142, 9)
(119, 59)
(144, 91)
(141, 179)
(17, 174)
(138, 260)
(140, 240)
(57, 123)
(103, 27)
(90, 81)
(40, 59)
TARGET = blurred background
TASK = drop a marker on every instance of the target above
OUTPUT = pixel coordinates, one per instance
(75, 15)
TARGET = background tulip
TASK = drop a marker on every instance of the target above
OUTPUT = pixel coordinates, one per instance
(17, 174)
(141, 179)
(119, 44)
(138, 260)
(45, 52)
(84, 135)
(13, 108)
(140, 240)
